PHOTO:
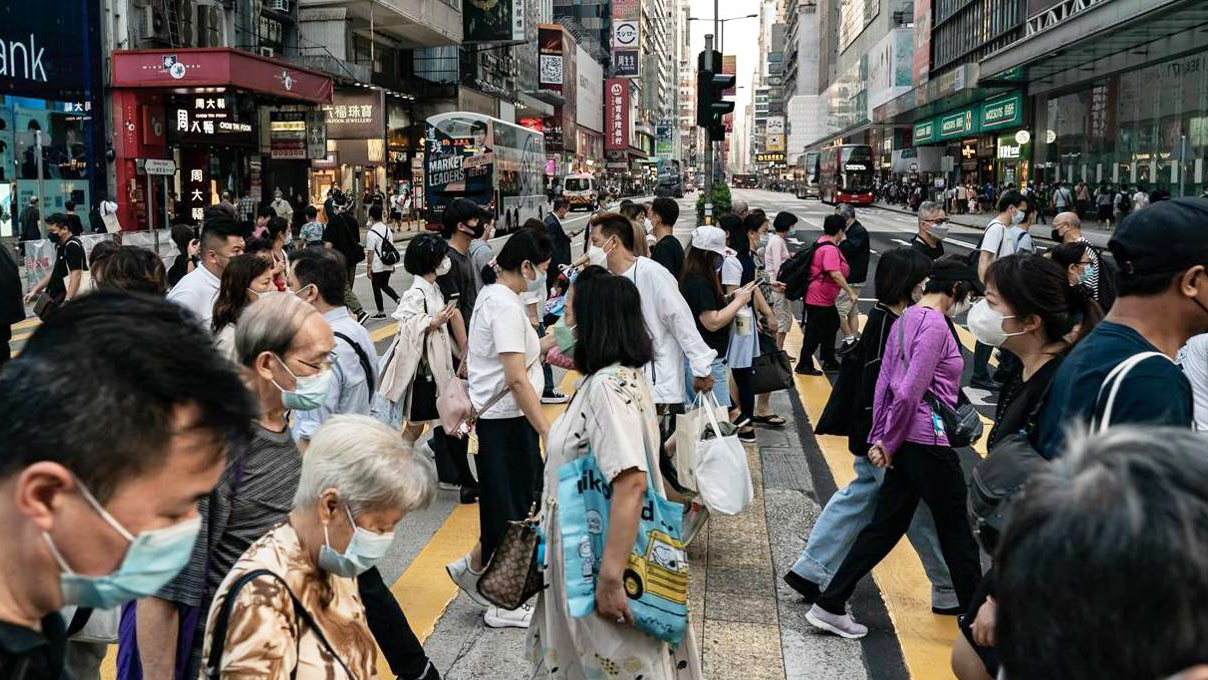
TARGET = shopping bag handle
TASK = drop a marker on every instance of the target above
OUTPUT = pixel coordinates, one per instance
(710, 409)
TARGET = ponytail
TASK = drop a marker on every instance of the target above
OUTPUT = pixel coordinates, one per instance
(526, 245)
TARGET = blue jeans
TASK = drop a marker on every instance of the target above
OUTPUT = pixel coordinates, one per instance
(845, 516)
(721, 383)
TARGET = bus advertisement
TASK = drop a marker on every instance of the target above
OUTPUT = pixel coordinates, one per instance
(497, 165)
(845, 174)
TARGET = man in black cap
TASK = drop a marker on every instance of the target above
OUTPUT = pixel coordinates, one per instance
(1163, 301)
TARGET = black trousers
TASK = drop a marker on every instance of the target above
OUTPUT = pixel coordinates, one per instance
(380, 281)
(6, 336)
(452, 460)
(930, 473)
(981, 361)
(509, 476)
(746, 395)
(821, 325)
(390, 629)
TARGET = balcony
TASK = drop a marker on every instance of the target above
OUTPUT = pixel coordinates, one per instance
(413, 23)
(332, 66)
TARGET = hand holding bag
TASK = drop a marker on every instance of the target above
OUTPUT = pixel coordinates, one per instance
(723, 477)
(457, 412)
(688, 429)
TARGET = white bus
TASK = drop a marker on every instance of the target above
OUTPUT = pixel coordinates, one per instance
(494, 163)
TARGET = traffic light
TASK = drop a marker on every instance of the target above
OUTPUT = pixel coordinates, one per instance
(710, 84)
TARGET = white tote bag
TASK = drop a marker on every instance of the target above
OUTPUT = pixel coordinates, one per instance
(688, 429)
(723, 478)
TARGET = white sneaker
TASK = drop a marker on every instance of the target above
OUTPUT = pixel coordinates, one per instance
(467, 579)
(841, 625)
(508, 618)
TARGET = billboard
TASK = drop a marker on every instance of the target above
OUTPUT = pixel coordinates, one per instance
(356, 113)
(551, 74)
(616, 114)
(485, 21)
(921, 64)
(774, 135)
(729, 66)
(626, 37)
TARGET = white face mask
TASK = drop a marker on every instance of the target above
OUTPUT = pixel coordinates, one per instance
(444, 266)
(648, 225)
(986, 324)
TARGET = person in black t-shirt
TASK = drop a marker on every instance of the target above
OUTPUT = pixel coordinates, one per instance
(62, 282)
(701, 288)
(667, 250)
(933, 229)
(343, 234)
(74, 223)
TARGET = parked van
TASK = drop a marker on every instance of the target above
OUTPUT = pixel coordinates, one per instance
(582, 190)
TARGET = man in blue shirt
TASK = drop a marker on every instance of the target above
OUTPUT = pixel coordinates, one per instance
(1163, 301)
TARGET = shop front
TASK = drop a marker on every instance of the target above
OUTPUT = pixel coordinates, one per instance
(356, 142)
(232, 121)
(52, 136)
(977, 140)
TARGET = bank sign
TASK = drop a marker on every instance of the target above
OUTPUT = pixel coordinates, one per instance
(45, 47)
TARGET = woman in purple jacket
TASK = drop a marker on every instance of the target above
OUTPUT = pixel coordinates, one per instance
(921, 356)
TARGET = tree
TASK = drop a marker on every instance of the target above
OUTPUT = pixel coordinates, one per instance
(720, 198)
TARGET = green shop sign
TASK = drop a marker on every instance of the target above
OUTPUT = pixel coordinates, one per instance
(1003, 112)
(958, 124)
(924, 132)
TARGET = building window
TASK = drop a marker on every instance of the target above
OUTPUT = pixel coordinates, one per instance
(270, 32)
(966, 31)
(854, 16)
(437, 64)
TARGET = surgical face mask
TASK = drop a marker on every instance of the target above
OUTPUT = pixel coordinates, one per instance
(986, 324)
(363, 551)
(564, 336)
(535, 285)
(1018, 217)
(153, 559)
(939, 230)
(958, 308)
(648, 225)
(1055, 235)
(444, 266)
(762, 242)
(597, 256)
(310, 391)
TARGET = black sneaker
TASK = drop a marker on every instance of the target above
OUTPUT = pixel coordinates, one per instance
(830, 366)
(469, 495)
(807, 588)
(806, 367)
(378, 315)
(362, 316)
(947, 611)
(747, 436)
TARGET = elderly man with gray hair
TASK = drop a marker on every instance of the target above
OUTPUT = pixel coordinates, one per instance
(290, 603)
(739, 208)
(933, 229)
(284, 348)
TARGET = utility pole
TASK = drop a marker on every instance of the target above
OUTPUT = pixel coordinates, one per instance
(708, 139)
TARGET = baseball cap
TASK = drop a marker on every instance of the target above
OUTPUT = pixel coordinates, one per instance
(712, 239)
(1167, 236)
(784, 220)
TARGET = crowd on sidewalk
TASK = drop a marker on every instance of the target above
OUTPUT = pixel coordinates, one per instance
(219, 509)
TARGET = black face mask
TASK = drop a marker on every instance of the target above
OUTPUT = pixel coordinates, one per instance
(478, 229)
(1055, 235)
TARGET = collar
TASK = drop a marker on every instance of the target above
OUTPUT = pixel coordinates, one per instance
(208, 277)
(827, 238)
(336, 314)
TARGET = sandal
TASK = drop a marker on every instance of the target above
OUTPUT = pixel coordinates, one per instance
(770, 419)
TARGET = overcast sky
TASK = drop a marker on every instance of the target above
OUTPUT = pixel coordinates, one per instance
(742, 40)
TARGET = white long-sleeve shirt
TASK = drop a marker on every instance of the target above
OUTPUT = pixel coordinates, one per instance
(672, 329)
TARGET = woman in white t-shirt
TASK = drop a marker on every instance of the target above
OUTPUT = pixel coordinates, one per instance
(379, 272)
(504, 367)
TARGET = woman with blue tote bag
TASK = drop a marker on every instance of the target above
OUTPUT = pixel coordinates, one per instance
(616, 599)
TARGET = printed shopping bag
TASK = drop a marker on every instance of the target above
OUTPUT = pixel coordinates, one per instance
(656, 577)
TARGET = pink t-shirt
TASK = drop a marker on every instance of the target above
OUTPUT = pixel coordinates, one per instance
(823, 290)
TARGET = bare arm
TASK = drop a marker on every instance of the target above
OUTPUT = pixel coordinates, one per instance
(716, 319)
(39, 286)
(158, 622)
(516, 379)
(984, 259)
(840, 279)
(73, 284)
(457, 324)
(628, 490)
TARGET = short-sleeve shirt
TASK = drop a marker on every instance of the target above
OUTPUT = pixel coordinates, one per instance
(500, 325)
(920, 245)
(823, 290)
(1193, 358)
(701, 298)
(1155, 391)
(28, 654)
(1020, 240)
(376, 235)
(731, 271)
(995, 240)
(669, 253)
(68, 258)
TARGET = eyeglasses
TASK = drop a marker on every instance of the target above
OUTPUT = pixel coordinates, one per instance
(325, 364)
(1087, 263)
(937, 222)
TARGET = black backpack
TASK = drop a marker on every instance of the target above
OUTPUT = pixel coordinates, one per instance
(795, 274)
(386, 252)
(1125, 203)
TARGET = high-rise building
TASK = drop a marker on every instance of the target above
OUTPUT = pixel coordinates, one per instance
(590, 21)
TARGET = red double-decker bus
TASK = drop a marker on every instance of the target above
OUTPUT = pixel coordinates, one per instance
(845, 174)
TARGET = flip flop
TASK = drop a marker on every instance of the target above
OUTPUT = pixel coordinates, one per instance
(770, 419)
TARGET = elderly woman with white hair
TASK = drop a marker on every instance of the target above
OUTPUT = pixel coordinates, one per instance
(290, 607)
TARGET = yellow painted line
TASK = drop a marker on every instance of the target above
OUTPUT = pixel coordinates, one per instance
(926, 639)
(970, 342)
(31, 322)
(380, 334)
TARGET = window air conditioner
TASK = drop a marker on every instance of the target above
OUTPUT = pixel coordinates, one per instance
(267, 52)
(279, 6)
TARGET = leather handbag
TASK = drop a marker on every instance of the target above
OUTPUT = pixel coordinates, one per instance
(513, 575)
(457, 413)
(45, 305)
(423, 394)
(772, 371)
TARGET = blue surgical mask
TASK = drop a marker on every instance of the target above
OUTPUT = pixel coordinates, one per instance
(536, 285)
(363, 551)
(1018, 217)
(310, 391)
(154, 558)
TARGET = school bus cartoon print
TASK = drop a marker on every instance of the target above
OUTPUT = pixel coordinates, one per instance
(661, 571)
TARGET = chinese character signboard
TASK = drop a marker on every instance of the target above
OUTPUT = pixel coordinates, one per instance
(616, 114)
(316, 135)
(356, 114)
(208, 119)
(485, 21)
(1005, 112)
(626, 34)
(287, 134)
(729, 66)
(551, 74)
(924, 133)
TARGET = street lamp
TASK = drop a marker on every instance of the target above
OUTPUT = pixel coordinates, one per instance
(721, 47)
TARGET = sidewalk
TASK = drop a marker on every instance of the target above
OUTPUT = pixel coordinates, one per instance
(1097, 236)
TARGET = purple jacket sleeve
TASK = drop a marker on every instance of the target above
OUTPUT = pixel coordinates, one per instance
(905, 389)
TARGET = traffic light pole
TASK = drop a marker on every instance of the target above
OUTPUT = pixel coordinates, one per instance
(709, 141)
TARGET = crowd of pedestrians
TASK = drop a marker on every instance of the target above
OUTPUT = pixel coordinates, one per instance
(227, 502)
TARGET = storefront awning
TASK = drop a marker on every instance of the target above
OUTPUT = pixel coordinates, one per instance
(218, 67)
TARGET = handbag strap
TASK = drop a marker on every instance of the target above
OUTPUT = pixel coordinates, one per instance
(504, 392)
(219, 631)
(1116, 378)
